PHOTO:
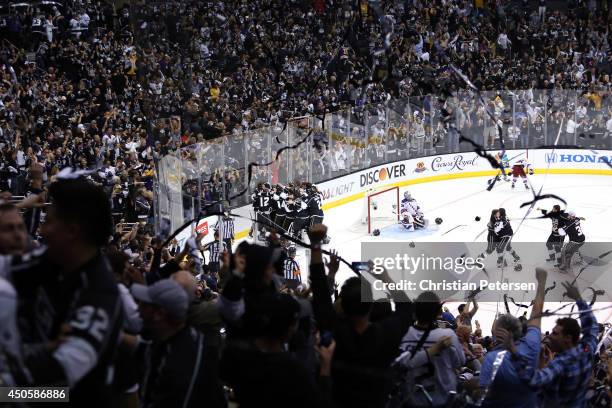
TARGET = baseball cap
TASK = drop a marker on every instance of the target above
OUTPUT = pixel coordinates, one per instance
(165, 293)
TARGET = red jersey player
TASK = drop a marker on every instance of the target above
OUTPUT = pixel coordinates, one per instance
(520, 169)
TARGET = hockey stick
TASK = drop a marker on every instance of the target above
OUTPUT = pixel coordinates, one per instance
(454, 228)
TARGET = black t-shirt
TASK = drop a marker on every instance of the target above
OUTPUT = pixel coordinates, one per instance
(268, 380)
(361, 375)
(177, 377)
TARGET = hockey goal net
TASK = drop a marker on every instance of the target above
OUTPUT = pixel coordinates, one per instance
(382, 207)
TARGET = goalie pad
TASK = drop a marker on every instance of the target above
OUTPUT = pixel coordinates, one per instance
(411, 222)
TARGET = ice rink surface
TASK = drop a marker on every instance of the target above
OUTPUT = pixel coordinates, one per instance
(458, 202)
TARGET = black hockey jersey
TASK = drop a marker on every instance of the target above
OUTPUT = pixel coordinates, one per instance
(315, 204)
(88, 301)
(261, 201)
(573, 229)
(301, 207)
(277, 204)
(555, 218)
(503, 228)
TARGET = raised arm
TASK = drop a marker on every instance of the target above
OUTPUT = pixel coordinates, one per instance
(538, 303)
(475, 308)
(588, 323)
(321, 300)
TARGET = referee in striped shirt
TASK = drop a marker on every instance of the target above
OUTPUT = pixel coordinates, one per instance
(215, 250)
(291, 269)
(227, 225)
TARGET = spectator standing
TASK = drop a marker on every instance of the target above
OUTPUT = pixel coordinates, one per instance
(364, 349)
(429, 385)
(177, 373)
(504, 382)
(565, 379)
(263, 374)
(466, 314)
(542, 10)
(70, 281)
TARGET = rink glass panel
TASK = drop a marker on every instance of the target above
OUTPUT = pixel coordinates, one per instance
(258, 151)
(358, 137)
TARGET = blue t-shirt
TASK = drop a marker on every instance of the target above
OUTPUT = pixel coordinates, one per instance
(447, 316)
(509, 389)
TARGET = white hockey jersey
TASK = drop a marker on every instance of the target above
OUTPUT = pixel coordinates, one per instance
(410, 206)
(523, 162)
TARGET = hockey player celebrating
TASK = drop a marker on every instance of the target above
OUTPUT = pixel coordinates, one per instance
(572, 228)
(301, 213)
(261, 205)
(554, 243)
(520, 169)
(411, 215)
(315, 204)
(492, 238)
(279, 197)
(503, 160)
(504, 233)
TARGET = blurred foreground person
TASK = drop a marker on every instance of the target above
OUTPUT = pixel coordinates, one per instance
(70, 310)
(177, 372)
(263, 374)
(514, 353)
(13, 232)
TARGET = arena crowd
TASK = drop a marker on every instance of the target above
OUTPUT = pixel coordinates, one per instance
(91, 297)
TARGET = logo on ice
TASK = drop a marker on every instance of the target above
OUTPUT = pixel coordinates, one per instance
(576, 158)
(457, 162)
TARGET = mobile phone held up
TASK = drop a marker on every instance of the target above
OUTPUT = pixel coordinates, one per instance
(326, 338)
(361, 267)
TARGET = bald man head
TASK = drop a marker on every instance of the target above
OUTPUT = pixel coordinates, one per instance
(187, 282)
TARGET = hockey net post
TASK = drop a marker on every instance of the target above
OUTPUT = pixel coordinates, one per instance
(382, 207)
